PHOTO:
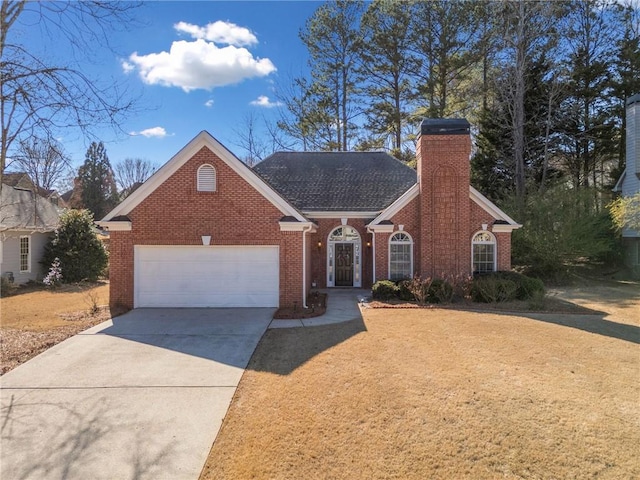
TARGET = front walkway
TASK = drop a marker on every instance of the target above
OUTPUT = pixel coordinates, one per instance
(342, 306)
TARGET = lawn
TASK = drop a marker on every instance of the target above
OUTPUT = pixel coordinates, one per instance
(443, 394)
(36, 318)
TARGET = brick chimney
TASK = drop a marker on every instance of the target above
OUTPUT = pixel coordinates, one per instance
(443, 150)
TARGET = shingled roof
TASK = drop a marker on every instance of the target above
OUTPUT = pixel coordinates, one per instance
(337, 181)
(25, 210)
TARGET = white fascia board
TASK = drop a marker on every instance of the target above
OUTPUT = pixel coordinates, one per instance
(398, 205)
(203, 139)
(618, 186)
(325, 214)
(505, 228)
(386, 228)
(489, 207)
(120, 226)
(309, 227)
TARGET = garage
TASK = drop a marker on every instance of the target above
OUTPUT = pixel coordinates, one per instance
(206, 276)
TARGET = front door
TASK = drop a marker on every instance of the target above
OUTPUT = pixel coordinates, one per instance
(344, 265)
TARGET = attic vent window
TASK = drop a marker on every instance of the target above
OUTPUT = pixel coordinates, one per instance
(206, 178)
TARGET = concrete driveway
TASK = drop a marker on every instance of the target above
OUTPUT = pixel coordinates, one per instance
(141, 396)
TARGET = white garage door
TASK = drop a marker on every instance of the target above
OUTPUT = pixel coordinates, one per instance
(206, 276)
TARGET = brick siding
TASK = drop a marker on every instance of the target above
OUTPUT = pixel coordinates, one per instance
(177, 214)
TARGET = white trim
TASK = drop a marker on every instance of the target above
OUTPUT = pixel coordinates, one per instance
(203, 139)
(411, 244)
(357, 266)
(489, 207)
(298, 227)
(213, 179)
(399, 204)
(341, 214)
(119, 226)
(386, 228)
(28, 237)
(304, 264)
(495, 248)
(373, 262)
(501, 228)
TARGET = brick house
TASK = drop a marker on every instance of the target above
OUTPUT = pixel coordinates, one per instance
(206, 230)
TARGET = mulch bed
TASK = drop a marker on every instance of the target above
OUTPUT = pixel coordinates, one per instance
(18, 346)
(316, 303)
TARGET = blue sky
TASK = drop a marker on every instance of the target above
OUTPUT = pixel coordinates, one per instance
(195, 66)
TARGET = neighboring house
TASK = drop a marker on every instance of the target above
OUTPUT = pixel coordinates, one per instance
(207, 231)
(26, 222)
(23, 181)
(629, 182)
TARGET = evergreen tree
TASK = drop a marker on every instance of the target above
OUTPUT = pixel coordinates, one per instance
(333, 40)
(387, 63)
(626, 77)
(99, 190)
(81, 254)
(589, 122)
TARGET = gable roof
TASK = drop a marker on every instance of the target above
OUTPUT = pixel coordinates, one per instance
(203, 139)
(23, 209)
(337, 181)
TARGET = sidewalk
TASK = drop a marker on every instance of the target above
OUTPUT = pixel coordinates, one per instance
(342, 306)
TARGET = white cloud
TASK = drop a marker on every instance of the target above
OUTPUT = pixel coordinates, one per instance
(219, 32)
(208, 103)
(263, 101)
(199, 64)
(154, 132)
(127, 67)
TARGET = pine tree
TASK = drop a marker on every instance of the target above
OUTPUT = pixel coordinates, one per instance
(99, 190)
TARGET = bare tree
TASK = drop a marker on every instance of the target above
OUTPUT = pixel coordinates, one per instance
(43, 160)
(39, 96)
(132, 171)
(523, 20)
(251, 140)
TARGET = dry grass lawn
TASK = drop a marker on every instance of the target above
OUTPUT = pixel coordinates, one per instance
(36, 318)
(442, 394)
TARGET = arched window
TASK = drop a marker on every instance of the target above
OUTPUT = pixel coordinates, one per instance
(206, 178)
(400, 256)
(484, 252)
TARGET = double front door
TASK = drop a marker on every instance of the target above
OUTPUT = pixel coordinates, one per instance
(344, 264)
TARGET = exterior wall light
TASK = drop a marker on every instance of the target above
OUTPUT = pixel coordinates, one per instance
(319, 244)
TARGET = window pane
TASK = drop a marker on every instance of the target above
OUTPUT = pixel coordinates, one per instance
(399, 261)
(24, 254)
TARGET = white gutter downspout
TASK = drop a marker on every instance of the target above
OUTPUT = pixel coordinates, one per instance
(305, 230)
(373, 259)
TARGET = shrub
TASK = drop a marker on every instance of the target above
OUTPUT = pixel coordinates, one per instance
(384, 290)
(492, 289)
(404, 292)
(54, 277)
(81, 254)
(419, 288)
(440, 291)
(562, 226)
(528, 287)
